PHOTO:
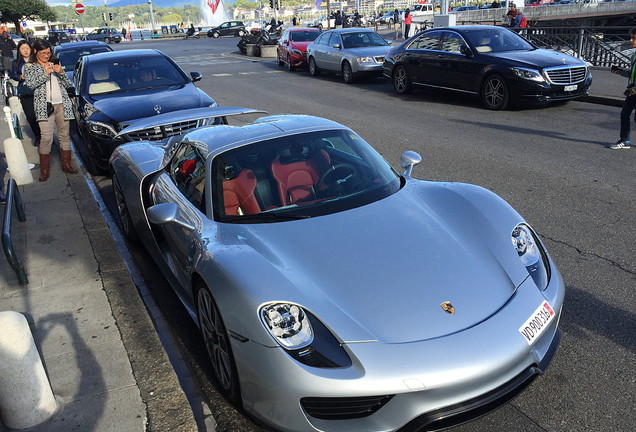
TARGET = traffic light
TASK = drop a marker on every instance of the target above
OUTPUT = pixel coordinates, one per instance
(271, 4)
(110, 16)
(105, 16)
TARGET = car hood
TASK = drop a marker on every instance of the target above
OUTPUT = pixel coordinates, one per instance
(300, 46)
(541, 58)
(372, 51)
(142, 103)
(382, 271)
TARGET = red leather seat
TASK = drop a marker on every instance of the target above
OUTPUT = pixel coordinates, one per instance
(296, 179)
(238, 193)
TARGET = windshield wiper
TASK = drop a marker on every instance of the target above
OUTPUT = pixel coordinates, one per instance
(263, 216)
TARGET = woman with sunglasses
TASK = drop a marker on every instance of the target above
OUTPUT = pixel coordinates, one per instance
(49, 83)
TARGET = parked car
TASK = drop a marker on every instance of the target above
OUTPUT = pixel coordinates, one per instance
(492, 62)
(256, 25)
(105, 34)
(322, 23)
(350, 51)
(280, 238)
(115, 88)
(56, 37)
(229, 28)
(16, 38)
(70, 52)
(292, 46)
(387, 18)
(464, 9)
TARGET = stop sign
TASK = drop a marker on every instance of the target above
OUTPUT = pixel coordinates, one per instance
(79, 9)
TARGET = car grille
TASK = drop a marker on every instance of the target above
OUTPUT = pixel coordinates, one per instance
(161, 132)
(566, 75)
(343, 408)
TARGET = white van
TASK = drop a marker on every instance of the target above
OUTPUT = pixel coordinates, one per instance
(422, 11)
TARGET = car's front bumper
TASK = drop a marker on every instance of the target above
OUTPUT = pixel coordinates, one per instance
(451, 379)
(368, 68)
(524, 91)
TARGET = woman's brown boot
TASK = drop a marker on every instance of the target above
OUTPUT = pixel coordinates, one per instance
(65, 157)
(45, 159)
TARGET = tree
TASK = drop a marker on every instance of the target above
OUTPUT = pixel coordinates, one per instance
(16, 11)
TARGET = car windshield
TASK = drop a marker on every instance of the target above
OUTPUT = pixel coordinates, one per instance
(117, 76)
(304, 36)
(362, 39)
(68, 58)
(299, 176)
(494, 39)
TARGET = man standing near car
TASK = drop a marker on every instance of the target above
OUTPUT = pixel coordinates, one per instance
(630, 98)
(396, 22)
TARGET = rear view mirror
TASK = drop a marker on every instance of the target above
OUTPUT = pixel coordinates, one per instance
(408, 160)
(196, 76)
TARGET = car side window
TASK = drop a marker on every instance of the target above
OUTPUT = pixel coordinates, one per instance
(335, 39)
(188, 173)
(428, 41)
(452, 42)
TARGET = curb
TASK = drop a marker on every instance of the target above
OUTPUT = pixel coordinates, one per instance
(167, 407)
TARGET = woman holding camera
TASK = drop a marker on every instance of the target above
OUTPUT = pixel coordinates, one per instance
(51, 103)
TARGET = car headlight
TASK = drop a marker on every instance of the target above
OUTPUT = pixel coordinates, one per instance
(102, 130)
(531, 254)
(303, 336)
(528, 74)
(366, 60)
(296, 52)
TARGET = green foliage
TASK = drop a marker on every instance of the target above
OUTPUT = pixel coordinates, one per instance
(14, 11)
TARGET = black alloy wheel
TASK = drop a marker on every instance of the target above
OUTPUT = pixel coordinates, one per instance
(289, 64)
(125, 220)
(217, 344)
(494, 93)
(215, 34)
(401, 81)
(313, 67)
(347, 74)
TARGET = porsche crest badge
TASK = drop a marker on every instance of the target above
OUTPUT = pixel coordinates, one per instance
(448, 308)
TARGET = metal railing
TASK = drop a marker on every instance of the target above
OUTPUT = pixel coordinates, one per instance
(13, 198)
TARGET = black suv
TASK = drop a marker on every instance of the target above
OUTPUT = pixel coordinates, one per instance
(229, 28)
(57, 37)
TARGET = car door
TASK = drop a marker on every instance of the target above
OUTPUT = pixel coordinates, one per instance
(224, 30)
(183, 184)
(421, 57)
(320, 50)
(456, 70)
(333, 53)
(283, 43)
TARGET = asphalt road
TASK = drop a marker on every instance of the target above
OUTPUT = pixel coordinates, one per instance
(550, 163)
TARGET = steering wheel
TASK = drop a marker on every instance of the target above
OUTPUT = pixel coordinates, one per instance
(336, 178)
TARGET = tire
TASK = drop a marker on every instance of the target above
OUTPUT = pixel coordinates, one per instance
(280, 62)
(313, 67)
(289, 64)
(215, 35)
(320, 27)
(347, 74)
(401, 80)
(217, 344)
(107, 40)
(125, 220)
(241, 33)
(495, 94)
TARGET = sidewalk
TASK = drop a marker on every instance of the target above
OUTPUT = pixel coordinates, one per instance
(105, 363)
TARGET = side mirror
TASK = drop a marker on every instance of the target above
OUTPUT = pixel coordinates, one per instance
(408, 160)
(165, 213)
(463, 48)
(336, 46)
(285, 42)
(196, 76)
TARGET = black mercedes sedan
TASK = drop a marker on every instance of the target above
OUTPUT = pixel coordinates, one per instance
(492, 62)
(114, 89)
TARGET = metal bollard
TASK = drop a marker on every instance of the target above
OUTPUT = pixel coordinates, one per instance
(26, 398)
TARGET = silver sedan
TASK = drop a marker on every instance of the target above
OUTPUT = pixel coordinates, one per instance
(350, 51)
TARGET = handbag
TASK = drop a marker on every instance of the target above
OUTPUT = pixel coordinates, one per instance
(49, 106)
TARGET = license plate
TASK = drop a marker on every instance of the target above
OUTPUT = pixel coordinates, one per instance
(537, 323)
(570, 88)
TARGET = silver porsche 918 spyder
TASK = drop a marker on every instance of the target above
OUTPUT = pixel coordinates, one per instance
(333, 293)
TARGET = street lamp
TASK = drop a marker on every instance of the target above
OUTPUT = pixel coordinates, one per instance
(152, 17)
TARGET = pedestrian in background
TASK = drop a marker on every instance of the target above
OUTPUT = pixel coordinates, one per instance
(396, 22)
(7, 45)
(408, 18)
(49, 83)
(630, 98)
(25, 94)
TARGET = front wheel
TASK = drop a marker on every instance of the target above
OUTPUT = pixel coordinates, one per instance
(241, 33)
(106, 40)
(217, 344)
(494, 93)
(125, 219)
(401, 80)
(215, 35)
(313, 67)
(290, 67)
(347, 73)
(280, 60)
